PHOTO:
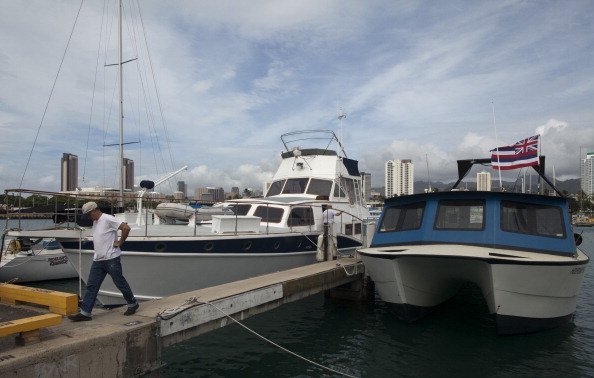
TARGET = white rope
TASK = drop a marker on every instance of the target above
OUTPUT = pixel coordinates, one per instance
(196, 301)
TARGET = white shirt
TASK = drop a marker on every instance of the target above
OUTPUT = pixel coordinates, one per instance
(105, 233)
(328, 215)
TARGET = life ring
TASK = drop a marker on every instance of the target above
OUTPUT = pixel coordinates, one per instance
(14, 246)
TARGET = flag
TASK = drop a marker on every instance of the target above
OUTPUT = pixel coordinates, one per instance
(522, 154)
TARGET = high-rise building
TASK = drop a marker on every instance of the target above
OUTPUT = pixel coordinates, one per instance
(587, 177)
(69, 178)
(399, 177)
(366, 183)
(209, 194)
(483, 181)
(182, 187)
(128, 174)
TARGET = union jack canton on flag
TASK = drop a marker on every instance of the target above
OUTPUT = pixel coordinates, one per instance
(522, 154)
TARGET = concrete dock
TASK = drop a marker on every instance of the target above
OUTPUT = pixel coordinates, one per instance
(114, 345)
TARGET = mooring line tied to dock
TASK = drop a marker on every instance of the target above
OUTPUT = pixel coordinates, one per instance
(195, 301)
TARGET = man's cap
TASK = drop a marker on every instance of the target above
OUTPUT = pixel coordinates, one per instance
(88, 207)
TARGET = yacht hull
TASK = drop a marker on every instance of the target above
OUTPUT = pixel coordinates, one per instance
(525, 293)
(43, 266)
(156, 275)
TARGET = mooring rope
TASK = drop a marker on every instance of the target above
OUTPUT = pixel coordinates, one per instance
(194, 301)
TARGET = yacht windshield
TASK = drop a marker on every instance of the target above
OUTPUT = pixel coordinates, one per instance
(275, 188)
(319, 187)
(295, 186)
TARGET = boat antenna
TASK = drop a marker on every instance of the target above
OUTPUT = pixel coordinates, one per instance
(428, 174)
(497, 144)
(341, 115)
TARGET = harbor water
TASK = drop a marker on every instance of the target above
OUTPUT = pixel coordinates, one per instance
(366, 340)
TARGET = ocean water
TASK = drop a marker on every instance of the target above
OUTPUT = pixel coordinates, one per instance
(366, 340)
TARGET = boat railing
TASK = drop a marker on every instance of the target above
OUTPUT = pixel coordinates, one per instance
(64, 210)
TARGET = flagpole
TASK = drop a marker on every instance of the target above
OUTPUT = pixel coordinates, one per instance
(497, 148)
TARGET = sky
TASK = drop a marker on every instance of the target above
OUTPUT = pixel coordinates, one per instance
(216, 83)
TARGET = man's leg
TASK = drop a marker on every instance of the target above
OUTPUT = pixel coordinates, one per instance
(96, 277)
(114, 268)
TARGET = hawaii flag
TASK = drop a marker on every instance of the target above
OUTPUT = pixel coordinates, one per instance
(522, 154)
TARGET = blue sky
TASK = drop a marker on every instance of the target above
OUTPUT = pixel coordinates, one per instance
(415, 78)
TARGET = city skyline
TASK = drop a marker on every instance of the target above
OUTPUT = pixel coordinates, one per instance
(432, 81)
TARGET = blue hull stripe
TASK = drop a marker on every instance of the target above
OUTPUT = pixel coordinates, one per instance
(281, 244)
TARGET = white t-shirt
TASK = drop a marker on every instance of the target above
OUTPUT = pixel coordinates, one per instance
(328, 215)
(105, 233)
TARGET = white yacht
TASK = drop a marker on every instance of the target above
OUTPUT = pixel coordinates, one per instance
(262, 235)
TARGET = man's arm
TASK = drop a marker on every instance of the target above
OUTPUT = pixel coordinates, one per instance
(125, 231)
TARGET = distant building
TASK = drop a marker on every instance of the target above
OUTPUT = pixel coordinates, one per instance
(182, 187)
(399, 177)
(587, 177)
(366, 183)
(178, 195)
(483, 181)
(69, 177)
(209, 194)
(235, 190)
(128, 174)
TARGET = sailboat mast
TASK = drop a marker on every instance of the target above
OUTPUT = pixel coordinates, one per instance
(122, 172)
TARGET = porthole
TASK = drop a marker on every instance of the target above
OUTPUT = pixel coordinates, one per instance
(209, 246)
(160, 247)
(247, 245)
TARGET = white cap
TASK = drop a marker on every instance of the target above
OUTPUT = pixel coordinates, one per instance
(88, 207)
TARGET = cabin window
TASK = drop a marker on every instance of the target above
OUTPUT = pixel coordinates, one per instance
(295, 186)
(348, 229)
(403, 218)
(357, 228)
(460, 215)
(319, 187)
(300, 216)
(275, 188)
(338, 192)
(269, 214)
(533, 219)
(240, 209)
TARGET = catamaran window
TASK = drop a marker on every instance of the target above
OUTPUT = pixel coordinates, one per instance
(275, 188)
(301, 216)
(403, 218)
(240, 209)
(319, 187)
(269, 214)
(532, 219)
(460, 215)
(295, 186)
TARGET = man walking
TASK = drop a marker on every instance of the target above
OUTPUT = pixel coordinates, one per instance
(106, 260)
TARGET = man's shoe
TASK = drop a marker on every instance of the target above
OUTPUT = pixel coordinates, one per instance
(131, 310)
(79, 317)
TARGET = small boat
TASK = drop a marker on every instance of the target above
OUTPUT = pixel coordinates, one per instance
(24, 260)
(519, 249)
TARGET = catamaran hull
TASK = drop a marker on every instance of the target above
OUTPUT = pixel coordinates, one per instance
(156, 275)
(524, 297)
(48, 265)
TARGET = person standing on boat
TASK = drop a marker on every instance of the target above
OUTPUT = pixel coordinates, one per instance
(106, 260)
(328, 215)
